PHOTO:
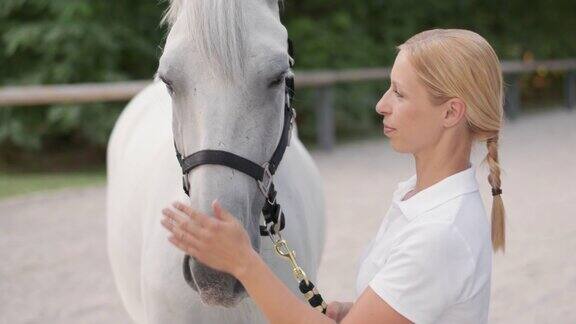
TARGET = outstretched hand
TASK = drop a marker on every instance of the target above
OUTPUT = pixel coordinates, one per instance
(219, 242)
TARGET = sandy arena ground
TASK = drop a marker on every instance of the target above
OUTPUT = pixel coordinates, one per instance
(54, 267)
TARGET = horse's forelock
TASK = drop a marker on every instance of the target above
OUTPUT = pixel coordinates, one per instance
(175, 6)
(218, 27)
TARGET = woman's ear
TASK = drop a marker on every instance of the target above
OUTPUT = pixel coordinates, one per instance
(454, 112)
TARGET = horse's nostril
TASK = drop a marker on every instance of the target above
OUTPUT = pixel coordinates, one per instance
(238, 287)
(219, 286)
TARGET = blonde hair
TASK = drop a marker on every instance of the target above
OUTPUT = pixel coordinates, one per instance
(460, 63)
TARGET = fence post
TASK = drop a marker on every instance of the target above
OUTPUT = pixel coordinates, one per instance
(570, 89)
(325, 118)
(512, 103)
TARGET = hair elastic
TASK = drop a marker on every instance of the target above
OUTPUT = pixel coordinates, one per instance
(496, 191)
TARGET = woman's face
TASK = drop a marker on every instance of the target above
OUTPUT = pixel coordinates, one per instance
(411, 121)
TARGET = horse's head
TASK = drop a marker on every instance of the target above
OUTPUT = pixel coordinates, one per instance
(224, 64)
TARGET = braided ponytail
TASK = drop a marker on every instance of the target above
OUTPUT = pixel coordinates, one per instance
(460, 63)
(498, 214)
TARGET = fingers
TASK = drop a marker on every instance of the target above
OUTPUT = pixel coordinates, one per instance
(192, 230)
(196, 223)
(174, 217)
(184, 246)
(176, 223)
(220, 212)
(184, 235)
(190, 212)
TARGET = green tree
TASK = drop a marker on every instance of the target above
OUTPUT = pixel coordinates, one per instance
(62, 41)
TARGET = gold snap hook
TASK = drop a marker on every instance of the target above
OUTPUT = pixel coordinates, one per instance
(283, 250)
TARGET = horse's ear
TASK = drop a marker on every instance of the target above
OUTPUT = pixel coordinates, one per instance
(275, 4)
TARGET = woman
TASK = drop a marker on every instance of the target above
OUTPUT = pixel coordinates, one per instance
(431, 260)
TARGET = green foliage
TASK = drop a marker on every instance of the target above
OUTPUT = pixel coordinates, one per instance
(62, 41)
(347, 34)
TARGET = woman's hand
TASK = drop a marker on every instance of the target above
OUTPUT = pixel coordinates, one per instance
(337, 310)
(220, 242)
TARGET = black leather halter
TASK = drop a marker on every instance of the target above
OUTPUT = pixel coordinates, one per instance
(261, 173)
(272, 212)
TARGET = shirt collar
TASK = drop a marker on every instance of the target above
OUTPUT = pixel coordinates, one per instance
(448, 188)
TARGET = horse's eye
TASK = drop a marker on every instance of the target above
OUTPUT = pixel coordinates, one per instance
(277, 81)
(168, 85)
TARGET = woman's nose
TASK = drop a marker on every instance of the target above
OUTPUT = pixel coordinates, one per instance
(382, 106)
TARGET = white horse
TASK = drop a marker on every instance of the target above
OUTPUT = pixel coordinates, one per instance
(224, 65)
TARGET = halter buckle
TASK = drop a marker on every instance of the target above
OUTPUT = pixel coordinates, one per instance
(266, 181)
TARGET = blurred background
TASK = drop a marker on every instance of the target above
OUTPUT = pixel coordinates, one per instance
(50, 142)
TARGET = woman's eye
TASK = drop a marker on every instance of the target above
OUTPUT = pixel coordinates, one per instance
(397, 93)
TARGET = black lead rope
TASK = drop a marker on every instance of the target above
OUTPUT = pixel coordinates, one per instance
(272, 211)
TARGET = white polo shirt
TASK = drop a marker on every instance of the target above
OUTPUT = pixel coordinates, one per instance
(431, 259)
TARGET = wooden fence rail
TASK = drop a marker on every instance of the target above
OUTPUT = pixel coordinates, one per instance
(322, 81)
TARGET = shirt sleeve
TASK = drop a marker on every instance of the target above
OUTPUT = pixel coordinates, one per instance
(427, 271)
